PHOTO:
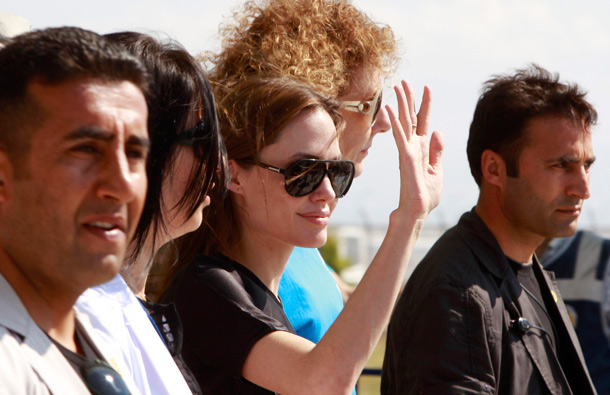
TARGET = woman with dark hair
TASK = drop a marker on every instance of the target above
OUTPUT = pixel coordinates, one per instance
(286, 176)
(185, 169)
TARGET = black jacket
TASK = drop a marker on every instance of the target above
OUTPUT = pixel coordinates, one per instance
(451, 331)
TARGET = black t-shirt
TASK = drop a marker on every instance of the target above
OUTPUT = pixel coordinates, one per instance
(166, 319)
(225, 309)
(547, 315)
(529, 283)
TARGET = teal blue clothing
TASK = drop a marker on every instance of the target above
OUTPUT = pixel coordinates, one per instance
(310, 295)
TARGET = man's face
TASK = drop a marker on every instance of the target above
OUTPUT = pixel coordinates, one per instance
(358, 135)
(546, 198)
(72, 205)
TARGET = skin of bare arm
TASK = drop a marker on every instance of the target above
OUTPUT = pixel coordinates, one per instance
(288, 364)
(346, 289)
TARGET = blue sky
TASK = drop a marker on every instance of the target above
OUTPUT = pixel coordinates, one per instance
(453, 46)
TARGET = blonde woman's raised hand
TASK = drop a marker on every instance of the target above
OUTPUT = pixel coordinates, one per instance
(419, 154)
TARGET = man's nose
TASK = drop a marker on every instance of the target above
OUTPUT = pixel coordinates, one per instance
(118, 180)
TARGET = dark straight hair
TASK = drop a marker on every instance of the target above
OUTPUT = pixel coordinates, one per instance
(179, 98)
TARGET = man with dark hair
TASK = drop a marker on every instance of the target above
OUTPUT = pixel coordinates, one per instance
(73, 147)
(479, 314)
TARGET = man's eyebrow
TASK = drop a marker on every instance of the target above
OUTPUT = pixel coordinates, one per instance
(90, 132)
(143, 142)
(572, 159)
(96, 133)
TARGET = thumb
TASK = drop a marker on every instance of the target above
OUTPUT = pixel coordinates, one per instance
(437, 144)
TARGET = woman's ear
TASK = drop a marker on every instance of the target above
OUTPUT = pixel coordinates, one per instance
(235, 174)
(493, 168)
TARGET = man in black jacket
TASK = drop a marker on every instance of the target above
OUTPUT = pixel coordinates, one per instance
(479, 314)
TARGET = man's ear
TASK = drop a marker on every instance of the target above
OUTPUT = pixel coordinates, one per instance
(493, 168)
(235, 174)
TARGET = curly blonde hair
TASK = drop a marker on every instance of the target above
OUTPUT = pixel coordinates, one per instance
(320, 43)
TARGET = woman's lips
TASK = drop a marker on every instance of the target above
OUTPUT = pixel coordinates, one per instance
(321, 218)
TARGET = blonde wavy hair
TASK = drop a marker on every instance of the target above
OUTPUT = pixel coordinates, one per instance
(320, 43)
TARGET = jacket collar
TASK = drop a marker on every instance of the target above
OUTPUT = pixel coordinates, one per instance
(14, 315)
(36, 347)
(486, 248)
(44, 357)
(484, 245)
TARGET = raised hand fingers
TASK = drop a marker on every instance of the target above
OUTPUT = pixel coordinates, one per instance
(423, 116)
(437, 145)
(404, 95)
(411, 123)
(410, 94)
(420, 157)
(397, 129)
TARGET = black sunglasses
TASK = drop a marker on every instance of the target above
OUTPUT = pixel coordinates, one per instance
(196, 138)
(305, 175)
(102, 379)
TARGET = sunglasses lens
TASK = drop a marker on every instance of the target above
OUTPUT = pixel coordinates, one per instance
(377, 108)
(304, 176)
(341, 176)
(378, 104)
(197, 138)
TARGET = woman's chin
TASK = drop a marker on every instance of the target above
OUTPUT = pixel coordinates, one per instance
(190, 226)
(316, 242)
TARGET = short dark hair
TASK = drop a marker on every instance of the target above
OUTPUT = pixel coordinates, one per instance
(509, 102)
(179, 94)
(52, 56)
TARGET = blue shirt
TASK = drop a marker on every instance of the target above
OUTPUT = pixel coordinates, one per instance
(310, 295)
